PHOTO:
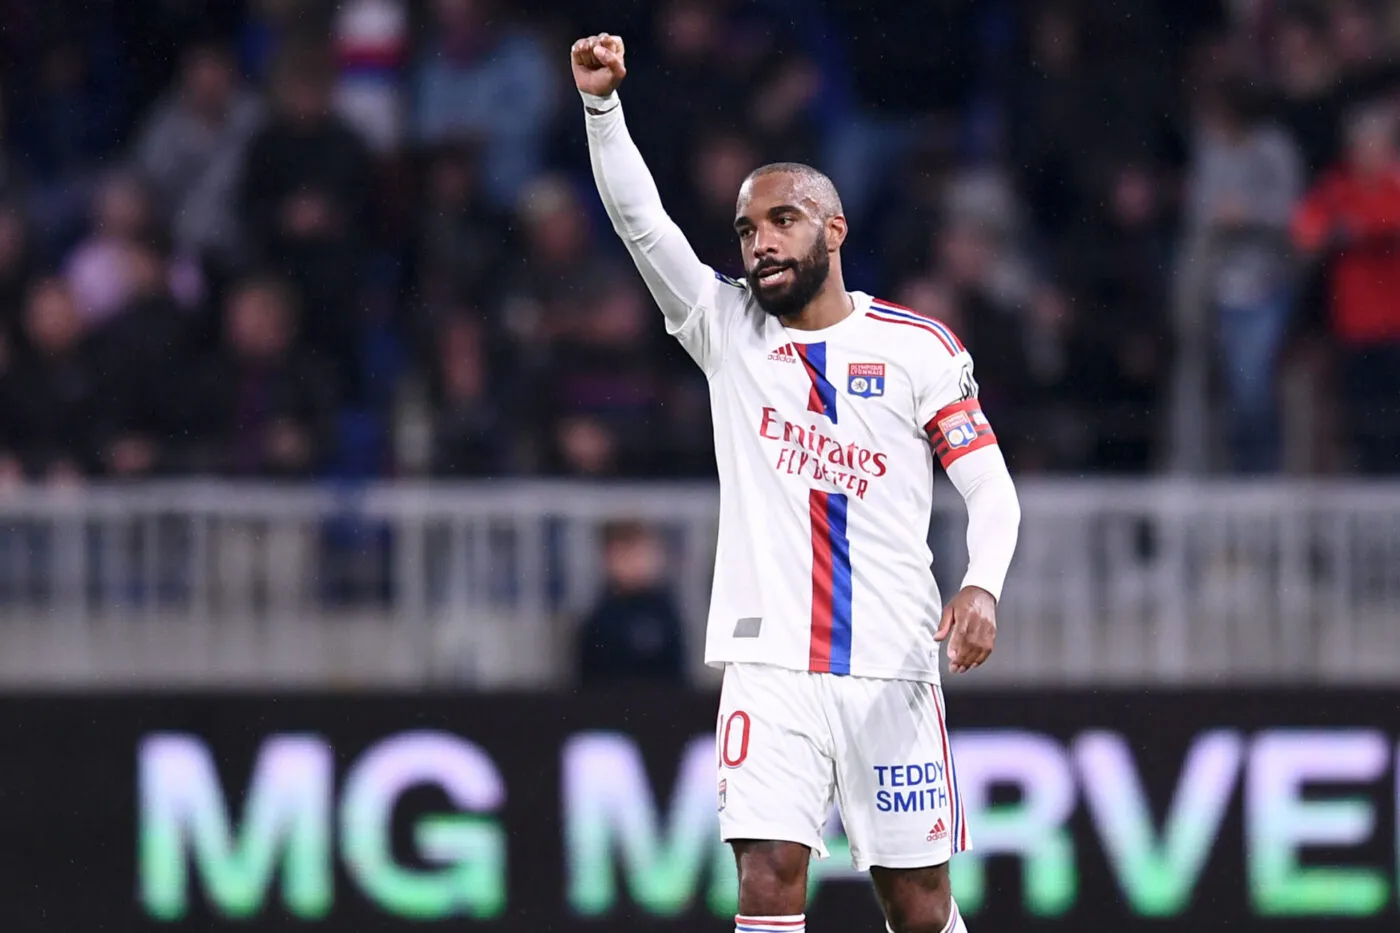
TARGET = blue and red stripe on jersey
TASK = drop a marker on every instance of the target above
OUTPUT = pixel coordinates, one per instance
(830, 647)
(955, 803)
(891, 313)
(822, 398)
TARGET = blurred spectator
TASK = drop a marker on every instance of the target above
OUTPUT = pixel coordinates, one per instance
(463, 242)
(48, 391)
(1061, 119)
(932, 297)
(306, 202)
(1092, 96)
(371, 45)
(68, 111)
(634, 634)
(1308, 76)
(782, 113)
(685, 97)
(267, 28)
(969, 256)
(1357, 34)
(558, 261)
(1121, 265)
(602, 403)
(145, 417)
(1246, 179)
(266, 408)
(190, 150)
(721, 162)
(685, 430)
(470, 437)
(1330, 58)
(1352, 217)
(584, 447)
(977, 251)
(483, 81)
(103, 270)
(1059, 422)
(902, 245)
(910, 65)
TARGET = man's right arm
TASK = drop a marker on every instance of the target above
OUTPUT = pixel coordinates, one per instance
(684, 287)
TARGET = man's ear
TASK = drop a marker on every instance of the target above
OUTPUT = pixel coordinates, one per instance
(835, 231)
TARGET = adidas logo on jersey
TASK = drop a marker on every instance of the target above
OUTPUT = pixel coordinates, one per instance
(784, 354)
(938, 832)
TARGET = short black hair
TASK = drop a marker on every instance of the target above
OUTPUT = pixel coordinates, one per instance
(814, 183)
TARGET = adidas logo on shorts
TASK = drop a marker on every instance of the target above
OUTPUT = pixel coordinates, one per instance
(938, 832)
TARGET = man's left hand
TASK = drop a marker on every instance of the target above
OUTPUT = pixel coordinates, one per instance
(970, 618)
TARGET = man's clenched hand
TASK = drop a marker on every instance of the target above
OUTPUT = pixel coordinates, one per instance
(971, 618)
(598, 64)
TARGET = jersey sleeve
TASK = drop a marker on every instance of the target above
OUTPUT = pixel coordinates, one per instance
(951, 415)
(947, 407)
(699, 304)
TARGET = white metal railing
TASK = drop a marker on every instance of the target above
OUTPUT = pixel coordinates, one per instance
(1158, 581)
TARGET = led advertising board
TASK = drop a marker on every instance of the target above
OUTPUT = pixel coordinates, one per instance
(580, 812)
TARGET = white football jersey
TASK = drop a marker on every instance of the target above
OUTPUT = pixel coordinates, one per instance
(825, 442)
(822, 441)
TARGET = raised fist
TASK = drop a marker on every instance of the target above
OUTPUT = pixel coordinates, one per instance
(597, 63)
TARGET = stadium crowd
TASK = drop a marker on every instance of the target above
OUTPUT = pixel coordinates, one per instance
(295, 238)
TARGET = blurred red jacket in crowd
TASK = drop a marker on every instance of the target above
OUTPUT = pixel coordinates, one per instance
(1356, 217)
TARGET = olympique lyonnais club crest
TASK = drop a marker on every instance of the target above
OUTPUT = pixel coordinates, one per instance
(958, 430)
(866, 379)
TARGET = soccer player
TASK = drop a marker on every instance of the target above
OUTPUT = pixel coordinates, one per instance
(829, 408)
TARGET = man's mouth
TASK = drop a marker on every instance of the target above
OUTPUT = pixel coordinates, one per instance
(774, 275)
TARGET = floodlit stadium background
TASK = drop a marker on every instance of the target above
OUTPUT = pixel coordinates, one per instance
(356, 514)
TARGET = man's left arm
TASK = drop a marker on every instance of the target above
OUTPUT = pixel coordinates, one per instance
(966, 446)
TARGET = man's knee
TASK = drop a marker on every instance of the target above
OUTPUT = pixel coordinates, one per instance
(915, 901)
(926, 916)
(772, 877)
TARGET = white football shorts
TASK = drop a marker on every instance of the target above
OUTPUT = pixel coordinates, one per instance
(790, 742)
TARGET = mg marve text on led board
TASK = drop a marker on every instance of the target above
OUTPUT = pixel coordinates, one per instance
(273, 838)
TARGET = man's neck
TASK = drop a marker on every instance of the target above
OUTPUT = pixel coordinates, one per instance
(830, 306)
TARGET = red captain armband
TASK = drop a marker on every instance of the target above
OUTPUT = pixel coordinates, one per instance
(959, 429)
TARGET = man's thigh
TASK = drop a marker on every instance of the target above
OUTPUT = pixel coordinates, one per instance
(896, 779)
(774, 758)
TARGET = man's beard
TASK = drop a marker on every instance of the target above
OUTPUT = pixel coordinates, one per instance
(808, 276)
